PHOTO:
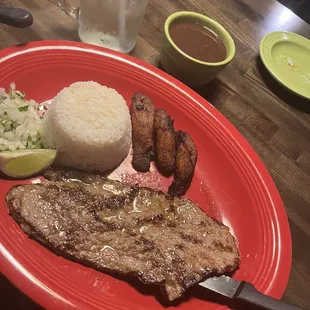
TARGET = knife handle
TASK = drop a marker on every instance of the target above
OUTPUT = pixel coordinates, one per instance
(248, 293)
(15, 17)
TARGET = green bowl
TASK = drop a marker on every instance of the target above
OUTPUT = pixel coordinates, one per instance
(286, 56)
(189, 70)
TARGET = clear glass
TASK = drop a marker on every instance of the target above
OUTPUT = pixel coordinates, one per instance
(110, 23)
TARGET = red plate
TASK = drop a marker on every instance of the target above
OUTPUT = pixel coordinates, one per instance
(230, 183)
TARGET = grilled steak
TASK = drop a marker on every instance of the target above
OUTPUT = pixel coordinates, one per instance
(165, 143)
(114, 227)
(142, 117)
(186, 159)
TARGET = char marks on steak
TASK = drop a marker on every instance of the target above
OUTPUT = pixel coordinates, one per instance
(114, 227)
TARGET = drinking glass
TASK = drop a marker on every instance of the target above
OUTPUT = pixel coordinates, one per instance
(110, 23)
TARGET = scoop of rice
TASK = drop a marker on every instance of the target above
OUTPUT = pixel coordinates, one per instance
(90, 127)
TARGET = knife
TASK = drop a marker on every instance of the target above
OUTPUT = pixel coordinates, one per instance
(244, 291)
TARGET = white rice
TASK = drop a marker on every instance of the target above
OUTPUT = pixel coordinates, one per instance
(90, 127)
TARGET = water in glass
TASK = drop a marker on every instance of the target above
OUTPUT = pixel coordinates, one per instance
(111, 23)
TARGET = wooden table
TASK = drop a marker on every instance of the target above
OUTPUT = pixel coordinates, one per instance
(274, 121)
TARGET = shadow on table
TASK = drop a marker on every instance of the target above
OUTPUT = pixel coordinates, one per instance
(300, 8)
(283, 93)
(210, 90)
(13, 299)
(64, 33)
(207, 91)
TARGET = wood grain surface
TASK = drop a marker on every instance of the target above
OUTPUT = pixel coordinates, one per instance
(274, 121)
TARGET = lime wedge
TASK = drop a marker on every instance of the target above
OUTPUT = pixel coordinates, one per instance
(25, 163)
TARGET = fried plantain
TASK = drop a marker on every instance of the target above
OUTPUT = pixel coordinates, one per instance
(165, 143)
(142, 116)
(186, 158)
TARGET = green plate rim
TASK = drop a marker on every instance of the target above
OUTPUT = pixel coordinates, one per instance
(263, 52)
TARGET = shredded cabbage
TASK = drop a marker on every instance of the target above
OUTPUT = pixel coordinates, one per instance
(20, 121)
